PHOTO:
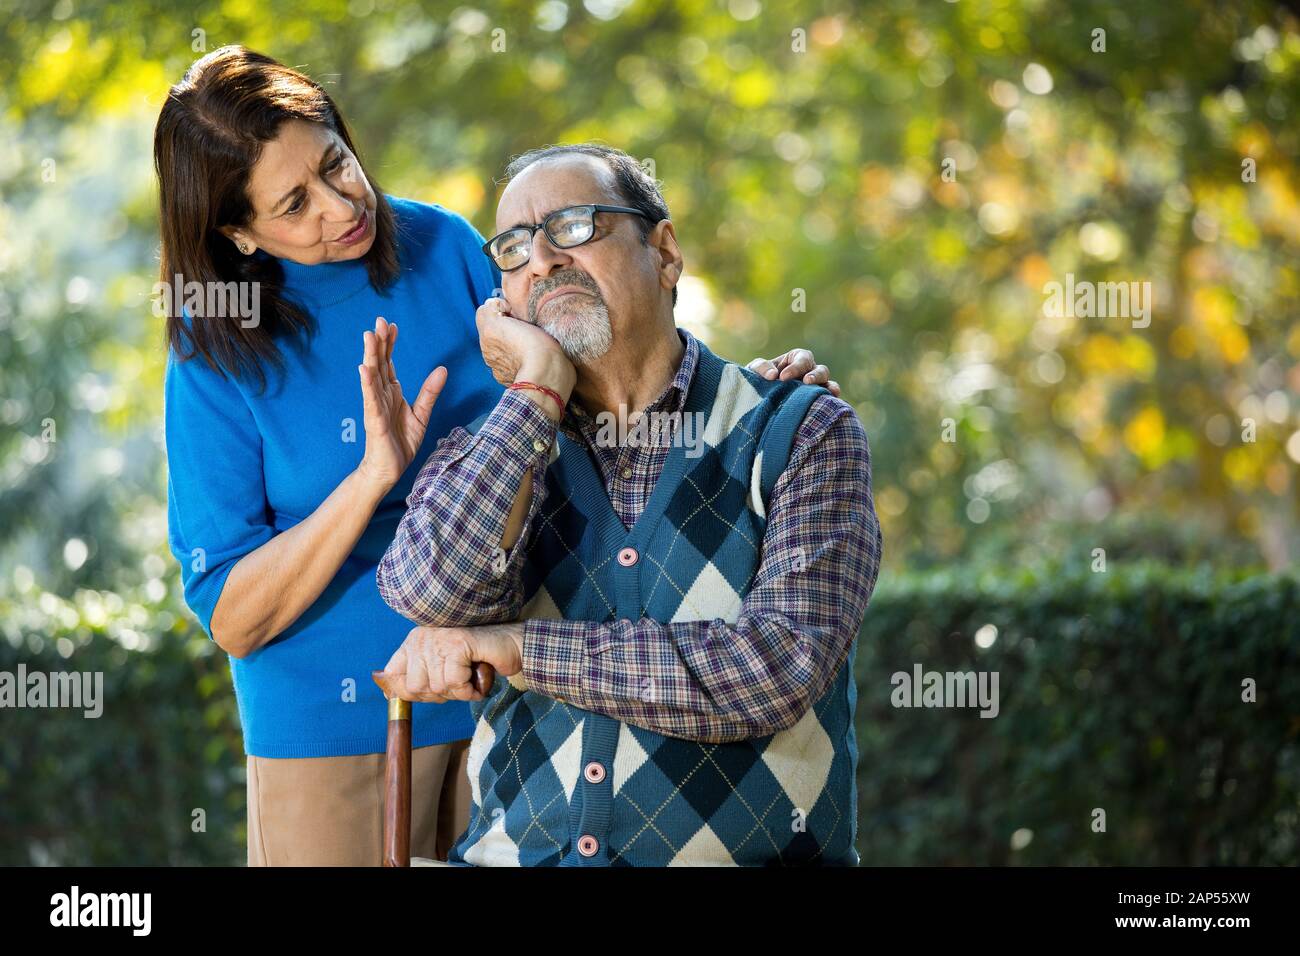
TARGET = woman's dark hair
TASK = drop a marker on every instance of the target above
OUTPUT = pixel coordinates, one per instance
(209, 136)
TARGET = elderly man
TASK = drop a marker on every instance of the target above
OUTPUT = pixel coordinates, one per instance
(675, 615)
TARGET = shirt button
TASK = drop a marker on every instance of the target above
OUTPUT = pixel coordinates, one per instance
(627, 472)
(594, 772)
(627, 557)
(539, 445)
(588, 845)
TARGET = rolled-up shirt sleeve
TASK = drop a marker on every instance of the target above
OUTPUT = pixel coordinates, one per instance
(713, 681)
(446, 566)
(217, 510)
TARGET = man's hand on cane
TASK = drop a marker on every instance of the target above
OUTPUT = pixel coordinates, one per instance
(436, 664)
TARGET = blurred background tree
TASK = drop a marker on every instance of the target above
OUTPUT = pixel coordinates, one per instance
(890, 184)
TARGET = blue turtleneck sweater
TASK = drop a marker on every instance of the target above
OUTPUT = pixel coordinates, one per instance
(244, 465)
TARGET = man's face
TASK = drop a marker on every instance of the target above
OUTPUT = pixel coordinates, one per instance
(584, 296)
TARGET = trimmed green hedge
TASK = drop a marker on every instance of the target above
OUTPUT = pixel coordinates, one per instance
(1119, 691)
(121, 788)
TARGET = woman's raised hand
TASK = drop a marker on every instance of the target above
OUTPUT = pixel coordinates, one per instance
(394, 429)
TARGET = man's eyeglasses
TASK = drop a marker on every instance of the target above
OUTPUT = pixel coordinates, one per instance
(565, 228)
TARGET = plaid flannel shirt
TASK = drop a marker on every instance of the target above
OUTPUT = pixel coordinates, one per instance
(446, 568)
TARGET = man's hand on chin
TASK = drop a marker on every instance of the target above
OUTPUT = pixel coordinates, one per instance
(434, 664)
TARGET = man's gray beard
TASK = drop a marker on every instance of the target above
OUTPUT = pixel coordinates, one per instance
(584, 334)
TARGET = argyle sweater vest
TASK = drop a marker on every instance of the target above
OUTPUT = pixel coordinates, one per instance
(554, 784)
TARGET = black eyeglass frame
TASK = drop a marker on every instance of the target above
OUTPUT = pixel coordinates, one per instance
(532, 230)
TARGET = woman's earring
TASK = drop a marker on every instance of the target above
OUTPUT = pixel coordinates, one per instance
(243, 247)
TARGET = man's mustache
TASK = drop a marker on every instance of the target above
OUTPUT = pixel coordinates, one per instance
(560, 279)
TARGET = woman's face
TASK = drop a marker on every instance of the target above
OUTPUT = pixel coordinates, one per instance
(311, 201)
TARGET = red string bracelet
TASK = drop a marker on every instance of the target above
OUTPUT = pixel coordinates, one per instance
(533, 386)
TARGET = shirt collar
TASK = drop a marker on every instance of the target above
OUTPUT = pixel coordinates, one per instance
(685, 372)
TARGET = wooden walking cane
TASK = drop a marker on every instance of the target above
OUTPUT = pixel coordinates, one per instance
(397, 765)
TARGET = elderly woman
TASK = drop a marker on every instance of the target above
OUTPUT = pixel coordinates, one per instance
(289, 463)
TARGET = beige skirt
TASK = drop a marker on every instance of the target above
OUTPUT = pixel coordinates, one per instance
(329, 811)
